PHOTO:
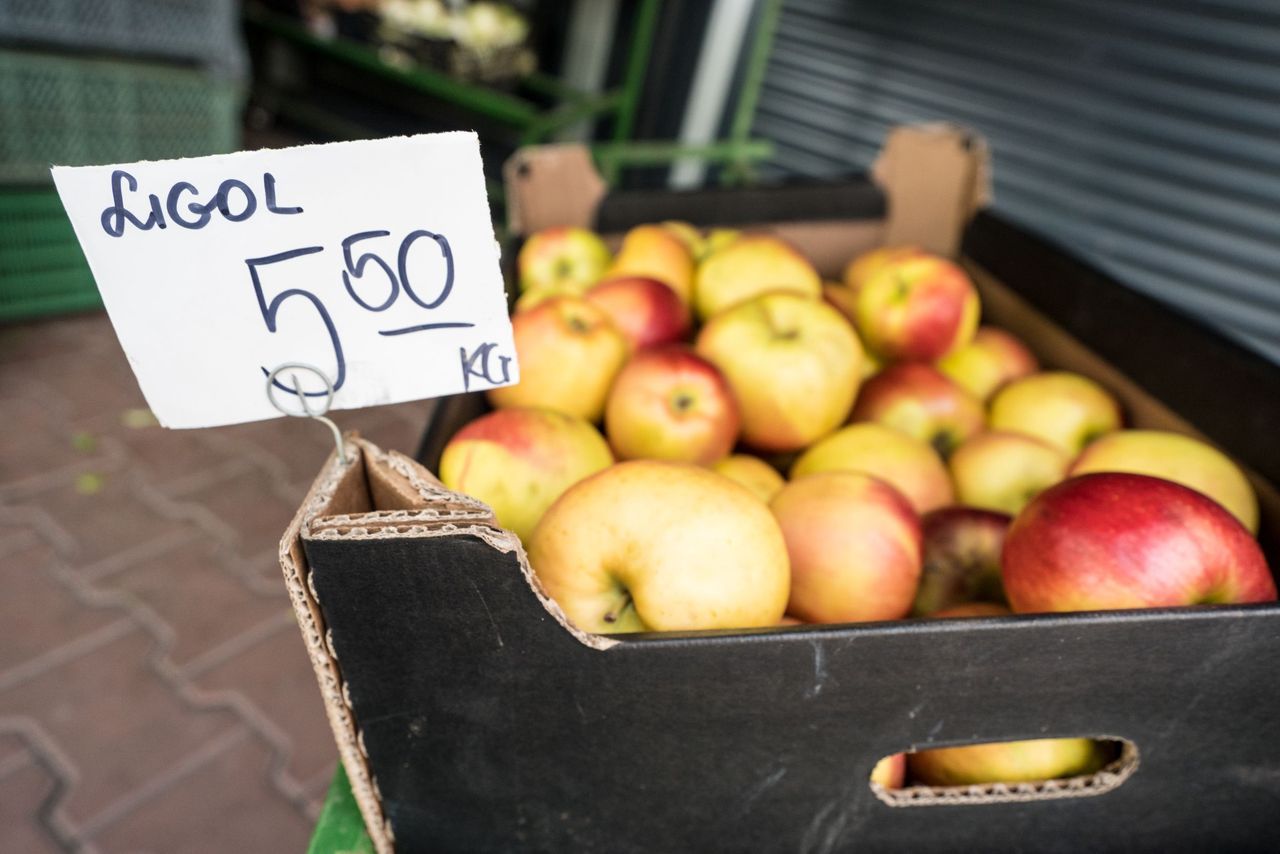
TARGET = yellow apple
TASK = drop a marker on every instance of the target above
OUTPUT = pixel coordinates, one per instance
(1064, 409)
(1004, 471)
(907, 464)
(761, 479)
(1006, 762)
(671, 404)
(1178, 458)
(650, 545)
(793, 363)
(518, 461)
(991, 359)
(569, 354)
(563, 260)
(855, 545)
(655, 252)
(917, 309)
(866, 265)
(749, 267)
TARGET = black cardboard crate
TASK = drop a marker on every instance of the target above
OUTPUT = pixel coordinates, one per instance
(473, 720)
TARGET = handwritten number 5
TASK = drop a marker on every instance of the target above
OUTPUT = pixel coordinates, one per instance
(271, 309)
(356, 268)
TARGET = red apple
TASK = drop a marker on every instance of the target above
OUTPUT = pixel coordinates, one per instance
(890, 771)
(971, 609)
(917, 309)
(961, 559)
(563, 260)
(569, 354)
(866, 265)
(918, 400)
(993, 358)
(648, 312)
(1118, 540)
(793, 364)
(671, 404)
(518, 461)
(854, 544)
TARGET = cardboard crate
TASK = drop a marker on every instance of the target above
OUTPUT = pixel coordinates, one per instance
(471, 717)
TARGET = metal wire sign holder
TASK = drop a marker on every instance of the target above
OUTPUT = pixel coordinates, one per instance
(308, 408)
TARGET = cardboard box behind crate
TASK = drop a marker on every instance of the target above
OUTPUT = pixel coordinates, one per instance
(471, 718)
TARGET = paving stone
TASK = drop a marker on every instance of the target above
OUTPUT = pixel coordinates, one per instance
(165, 456)
(294, 449)
(250, 505)
(228, 805)
(37, 612)
(396, 428)
(204, 605)
(21, 795)
(35, 441)
(277, 678)
(79, 334)
(115, 719)
(87, 385)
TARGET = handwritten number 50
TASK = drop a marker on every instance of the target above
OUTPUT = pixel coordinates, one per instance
(356, 268)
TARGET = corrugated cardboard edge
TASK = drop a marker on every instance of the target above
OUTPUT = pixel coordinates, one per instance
(1084, 786)
(551, 185)
(443, 513)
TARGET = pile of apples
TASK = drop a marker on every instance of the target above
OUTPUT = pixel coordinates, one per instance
(934, 470)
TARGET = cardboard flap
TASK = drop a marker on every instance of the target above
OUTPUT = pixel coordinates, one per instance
(551, 185)
(934, 178)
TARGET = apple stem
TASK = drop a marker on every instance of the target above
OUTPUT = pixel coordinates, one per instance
(614, 615)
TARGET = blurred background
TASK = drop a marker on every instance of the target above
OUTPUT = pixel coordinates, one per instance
(154, 694)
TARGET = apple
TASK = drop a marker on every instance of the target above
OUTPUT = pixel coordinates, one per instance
(654, 545)
(1116, 540)
(1064, 409)
(689, 235)
(793, 364)
(863, 267)
(569, 354)
(1007, 762)
(1175, 457)
(717, 239)
(655, 252)
(907, 464)
(648, 312)
(991, 359)
(1003, 471)
(961, 558)
(918, 400)
(917, 309)
(563, 260)
(749, 267)
(518, 461)
(890, 771)
(854, 544)
(671, 404)
(971, 609)
(760, 478)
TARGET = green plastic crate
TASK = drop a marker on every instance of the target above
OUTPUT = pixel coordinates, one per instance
(42, 270)
(340, 829)
(73, 112)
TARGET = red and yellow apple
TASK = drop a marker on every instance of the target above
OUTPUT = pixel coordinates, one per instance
(854, 545)
(649, 545)
(907, 464)
(1007, 762)
(1064, 409)
(749, 267)
(918, 400)
(961, 559)
(971, 609)
(993, 358)
(1117, 540)
(1175, 457)
(655, 252)
(863, 267)
(645, 310)
(760, 478)
(569, 353)
(793, 364)
(518, 461)
(1003, 471)
(561, 260)
(917, 309)
(671, 404)
(891, 771)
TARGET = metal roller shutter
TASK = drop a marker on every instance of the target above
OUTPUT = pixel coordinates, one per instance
(1144, 135)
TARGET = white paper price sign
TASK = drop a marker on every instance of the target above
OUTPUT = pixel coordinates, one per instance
(374, 261)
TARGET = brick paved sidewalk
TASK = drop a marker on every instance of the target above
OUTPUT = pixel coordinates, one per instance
(155, 695)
